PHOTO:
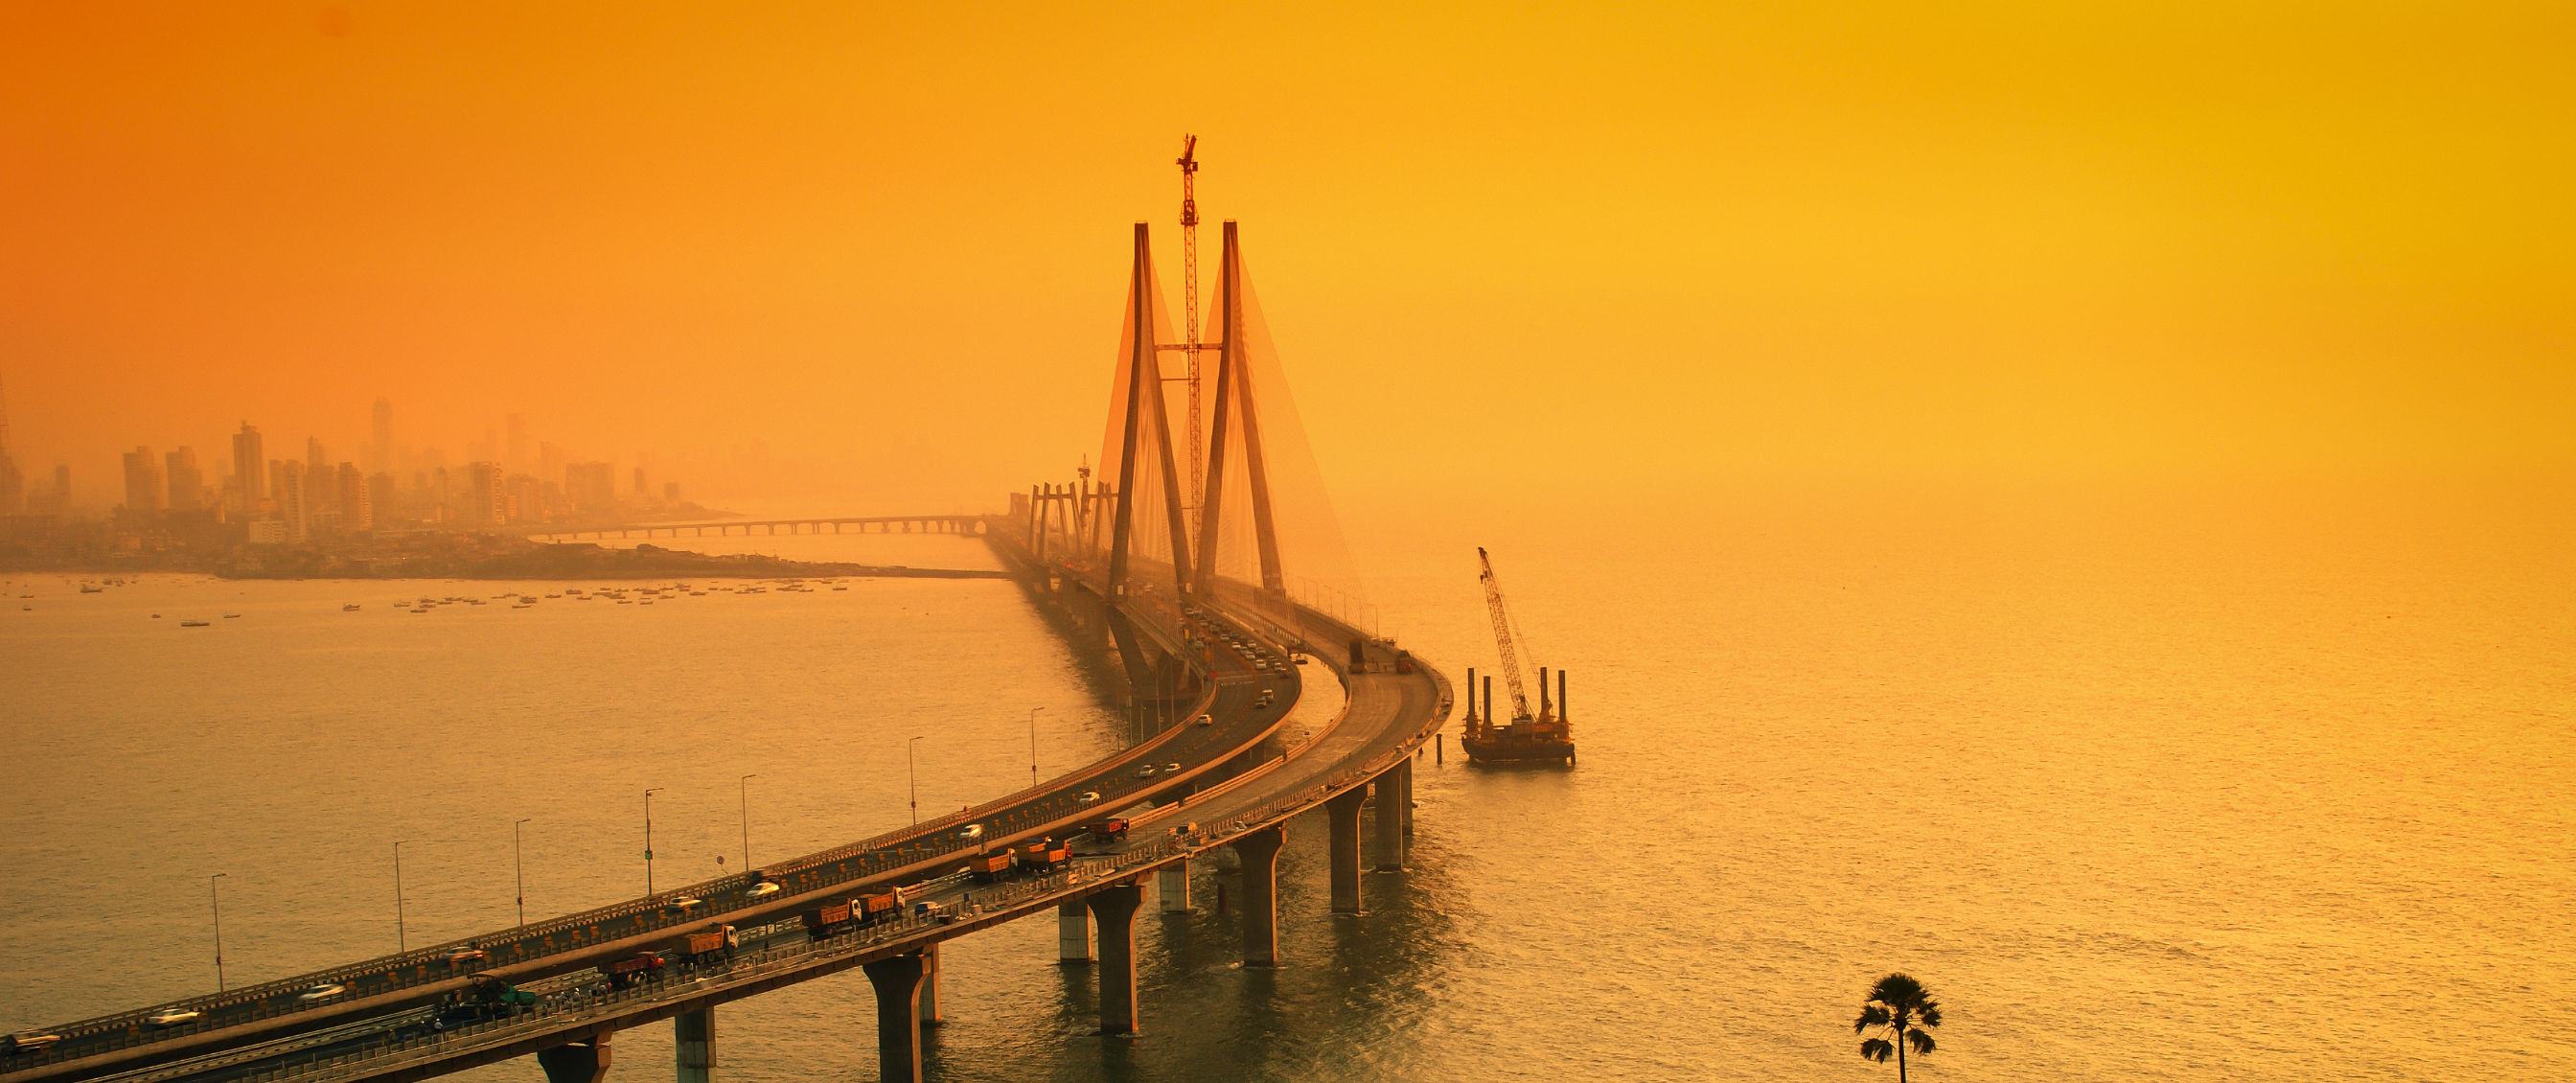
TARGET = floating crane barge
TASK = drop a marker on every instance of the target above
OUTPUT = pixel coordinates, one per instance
(1542, 738)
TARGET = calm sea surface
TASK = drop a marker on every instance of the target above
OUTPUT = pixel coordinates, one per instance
(2256, 790)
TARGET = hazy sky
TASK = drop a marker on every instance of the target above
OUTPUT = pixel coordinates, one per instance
(1501, 247)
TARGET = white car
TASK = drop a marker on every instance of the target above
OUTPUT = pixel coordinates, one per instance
(972, 833)
(173, 1017)
(686, 901)
(764, 889)
(1087, 798)
(1203, 720)
(324, 991)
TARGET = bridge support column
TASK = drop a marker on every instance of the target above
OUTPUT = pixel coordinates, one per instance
(576, 1062)
(1342, 815)
(693, 1037)
(1115, 909)
(1072, 932)
(1172, 887)
(1260, 853)
(1390, 817)
(1407, 806)
(930, 986)
(898, 984)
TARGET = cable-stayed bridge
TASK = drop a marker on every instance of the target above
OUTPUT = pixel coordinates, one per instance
(1189, 586)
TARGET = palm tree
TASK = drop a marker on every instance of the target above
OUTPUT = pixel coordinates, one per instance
(1898, 1010)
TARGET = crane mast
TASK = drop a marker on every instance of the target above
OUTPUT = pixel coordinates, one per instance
(1502, 638)
(1189, 164)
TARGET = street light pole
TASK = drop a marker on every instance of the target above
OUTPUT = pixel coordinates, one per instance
(402, 940)
(218, 899)
(648, 839)
(519, 870)
(914, 777)
(745, 783)
(1033, 745)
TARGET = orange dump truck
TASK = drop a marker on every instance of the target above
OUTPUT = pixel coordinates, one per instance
(870, 909)
(990, 867)
(828, 920)
(1041, 858)
(713, 944)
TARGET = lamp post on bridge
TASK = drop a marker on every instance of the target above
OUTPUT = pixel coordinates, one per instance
(402, 940)
(519, 872)
(217, 898)
(648, 840)
(745, 783)
(913, 777)
(1033, 746)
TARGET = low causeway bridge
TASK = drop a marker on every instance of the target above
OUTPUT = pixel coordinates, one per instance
(884, 524)
(1226, 653)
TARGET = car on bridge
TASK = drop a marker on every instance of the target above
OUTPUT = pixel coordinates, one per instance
(464, 955)
(324, 991)
(171, 1017)
(30, 1041)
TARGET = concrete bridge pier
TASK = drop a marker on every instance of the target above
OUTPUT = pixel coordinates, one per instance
(1072, 932)
(576, 1062)
(1259, 851)
(1342, 817)
(693, 1038)
(1115, 909)
(1172, 887)
(1392, 789)
(930, 986)
(898, 984)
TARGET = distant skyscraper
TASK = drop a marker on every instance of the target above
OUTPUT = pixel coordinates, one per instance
(187, 483)
(357, 505)
(13, 485)
(320, 491)
(380, 498)
(642, 494)
(670, 492)
(550, 462)
(145, 490)
(380, 452)
(515, 457)
(294, 502)
(250, 464)
(490, 497)
(592, 487)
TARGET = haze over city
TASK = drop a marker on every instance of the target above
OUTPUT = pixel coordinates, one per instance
(526, 528)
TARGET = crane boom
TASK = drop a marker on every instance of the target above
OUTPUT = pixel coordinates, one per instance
(1502, 637)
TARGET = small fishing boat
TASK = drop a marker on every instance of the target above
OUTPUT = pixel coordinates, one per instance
(194, 623)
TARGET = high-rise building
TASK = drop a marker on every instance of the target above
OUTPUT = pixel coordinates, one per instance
(294, 501)
(490, 498)
(592, 488)
(357, 505)
(145, 489)
(380, 498)
(250, 464)
(515, 457)
(187, 483)
(550, 461)
(670, 492)
(58, 501)
(13, 485)
(527, 499)
(380, 450)
(322, 493)
(642, 494)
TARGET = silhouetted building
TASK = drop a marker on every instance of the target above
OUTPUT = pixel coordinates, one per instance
(295, 500)
(489, 497)
(527, 502)
(59, 500)
(380, 450)
(670, 492)
(321, 493)
(592, 488)
(357, 505)
(380, 498)
(187, 483)
(514, 457)
(13, 485)
(250, 464)
(145, 488)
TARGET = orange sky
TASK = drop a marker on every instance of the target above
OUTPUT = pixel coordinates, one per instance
(1616, 247)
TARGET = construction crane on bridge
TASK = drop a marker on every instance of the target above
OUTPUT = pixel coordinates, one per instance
(1189, 164)
(1543, 738)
